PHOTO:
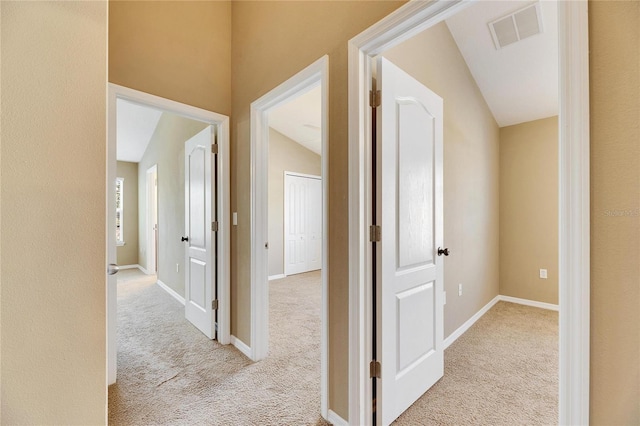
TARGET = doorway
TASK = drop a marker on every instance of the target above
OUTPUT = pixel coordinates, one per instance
(314, 76)
(220, 282)
(574, 195)
(152, 219)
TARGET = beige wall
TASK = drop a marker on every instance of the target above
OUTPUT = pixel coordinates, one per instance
(471, 161)
(128, 253)
(614, 33)
(179, 50)
(271, 42)
(52, 232)
(166, 149)
(529, 210)
(285, 155)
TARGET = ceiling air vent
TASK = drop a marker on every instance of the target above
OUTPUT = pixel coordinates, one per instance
(516, 26)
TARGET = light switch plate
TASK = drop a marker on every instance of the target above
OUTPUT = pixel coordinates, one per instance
(543, 274)
(235, 218)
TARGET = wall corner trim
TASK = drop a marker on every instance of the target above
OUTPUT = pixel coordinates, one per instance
(241, 346)
(171, 292)
(276, 277)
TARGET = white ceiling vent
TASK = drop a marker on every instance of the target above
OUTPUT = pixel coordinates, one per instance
(516, 26)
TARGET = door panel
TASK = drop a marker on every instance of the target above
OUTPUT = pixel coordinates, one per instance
(410, 277)
(200, 270)
(302, 224)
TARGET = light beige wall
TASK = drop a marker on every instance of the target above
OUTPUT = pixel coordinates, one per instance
(166, 149)
(52, 232)
(285, 155)
(271, 42)
(529, 210)
(614, 34)
(128, 253)
(179, 50)
(471, 161)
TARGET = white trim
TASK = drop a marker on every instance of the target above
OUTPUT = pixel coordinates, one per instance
(302, 175)
(276, 277)
(144, 270)
(151, 246)
(241, 346)
(335, 419)
(222, 122)
(123, 267)
(171, 292)
(467, 325)
(528, 302)
(574, 203)
(313, 75)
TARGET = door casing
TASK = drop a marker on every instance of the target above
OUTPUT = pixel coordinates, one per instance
(152, 216)
(315, 74)
(116, 92)
(574, 205)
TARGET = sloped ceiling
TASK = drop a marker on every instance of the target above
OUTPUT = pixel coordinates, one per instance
(135, 126)
(519, 82)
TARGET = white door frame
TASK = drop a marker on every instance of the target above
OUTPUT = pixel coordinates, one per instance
(194, 113)
(152, 197)
(315, 74)
(574, 204)
(286, 212)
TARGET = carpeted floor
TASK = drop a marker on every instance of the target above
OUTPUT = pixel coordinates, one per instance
(170, 373)
(503, 371)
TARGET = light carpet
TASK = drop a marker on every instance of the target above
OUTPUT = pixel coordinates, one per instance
(170, 373)
(502, 371)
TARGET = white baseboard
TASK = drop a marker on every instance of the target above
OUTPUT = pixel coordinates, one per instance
(171, 291)
(123, 267)
(241, 346)
(276, 277)
(144, 271)
(467, 325)
(336, 420)
(534, 303)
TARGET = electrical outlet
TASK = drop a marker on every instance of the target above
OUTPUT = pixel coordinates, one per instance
(444, 297)
(543, 274)
(459, 289)
(235, 218)
(177, 267)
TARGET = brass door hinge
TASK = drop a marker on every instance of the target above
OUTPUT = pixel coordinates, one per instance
(214, 226)
(374, 98)
(375, 233)
(214, 304)
(214, 148)
(374, 369)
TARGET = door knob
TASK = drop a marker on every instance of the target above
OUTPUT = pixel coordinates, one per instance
(443, 251)
(112, 269)
(185, 238)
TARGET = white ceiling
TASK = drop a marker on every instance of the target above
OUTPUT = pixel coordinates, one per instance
(300, 120)
(519, 82)
(135, 126)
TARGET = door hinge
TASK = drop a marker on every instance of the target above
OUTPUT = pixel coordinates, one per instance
(214, 226)
(374, 98)
(375, 233)
(214, 148)
(214, 304)
(374, 369)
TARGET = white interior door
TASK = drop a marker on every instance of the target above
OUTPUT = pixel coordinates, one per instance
(199, 235)
(152, 219)
(302, 223)
(410, 273)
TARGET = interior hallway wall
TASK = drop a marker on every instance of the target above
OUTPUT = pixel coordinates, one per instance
(166, 149)
(272, 41)
(471, 171)
(287, 155)
(128, 253)
(614, 42)
(52, 232)
(529, 210)
(179, 50)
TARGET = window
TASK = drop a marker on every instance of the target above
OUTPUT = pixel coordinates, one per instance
(119, 211)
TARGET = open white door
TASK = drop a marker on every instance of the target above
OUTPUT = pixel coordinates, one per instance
(409, 271)
(200, 238)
